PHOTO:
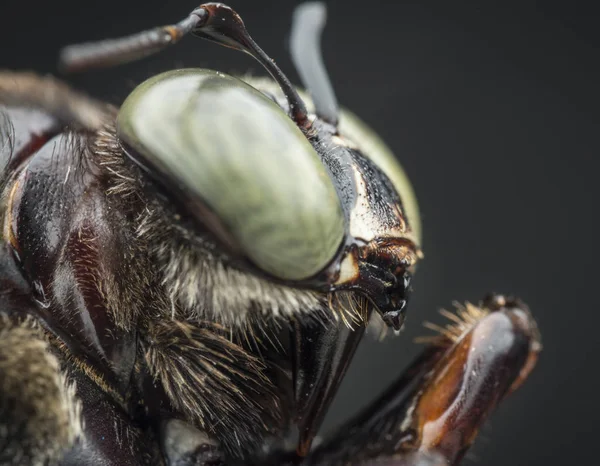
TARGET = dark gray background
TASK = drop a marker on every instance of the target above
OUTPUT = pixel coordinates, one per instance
(494, 114)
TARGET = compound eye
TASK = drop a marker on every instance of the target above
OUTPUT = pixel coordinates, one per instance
(240, 166)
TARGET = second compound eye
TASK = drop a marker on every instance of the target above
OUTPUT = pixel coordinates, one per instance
(238, 166)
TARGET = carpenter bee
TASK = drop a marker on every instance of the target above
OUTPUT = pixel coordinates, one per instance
(185, 279)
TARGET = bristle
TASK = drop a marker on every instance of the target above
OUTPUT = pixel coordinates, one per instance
(216, 384)
(109, 156)
(350, 308)
(199, 281)
(204, 286)
(436, 340)
(40, 417)
(460, 322)
(450, 316)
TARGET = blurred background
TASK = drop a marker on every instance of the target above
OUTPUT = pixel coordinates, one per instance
(493, 111)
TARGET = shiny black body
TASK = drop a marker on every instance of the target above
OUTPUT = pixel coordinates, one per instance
(146, 382)
(67, 241)
(71, 260)
(67, 234)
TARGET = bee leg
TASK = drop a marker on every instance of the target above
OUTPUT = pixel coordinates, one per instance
(39, 415)
(25, 89)
(110, 436)
(212, 383)
(184, 445)
(432, 414)
(323, 352)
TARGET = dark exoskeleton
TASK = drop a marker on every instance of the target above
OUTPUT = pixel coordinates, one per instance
(184, 281)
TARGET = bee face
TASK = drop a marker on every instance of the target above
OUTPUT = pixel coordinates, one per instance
(307, 212)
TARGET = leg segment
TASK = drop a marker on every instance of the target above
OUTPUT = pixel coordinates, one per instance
(22, 89)
(433, 413)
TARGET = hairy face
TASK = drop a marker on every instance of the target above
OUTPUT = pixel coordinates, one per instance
(198, 277)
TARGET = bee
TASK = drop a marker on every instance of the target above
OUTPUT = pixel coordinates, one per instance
(185, 279)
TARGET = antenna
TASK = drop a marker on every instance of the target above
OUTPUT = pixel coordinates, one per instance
(309, 20)
(213, 21)
(113, 52)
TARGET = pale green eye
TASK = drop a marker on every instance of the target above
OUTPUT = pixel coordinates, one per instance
(371, 145)
(229, 148)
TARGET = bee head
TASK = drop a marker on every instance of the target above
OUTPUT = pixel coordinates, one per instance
(289, 189)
